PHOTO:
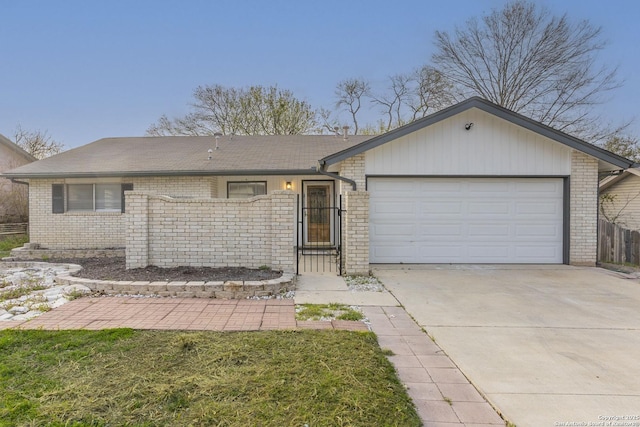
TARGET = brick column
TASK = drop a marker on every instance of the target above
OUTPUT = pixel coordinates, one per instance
(283, 220)
(355, 237)
(137, 220)
(584, 209)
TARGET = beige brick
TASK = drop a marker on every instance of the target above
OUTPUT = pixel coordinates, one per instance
(584, 209)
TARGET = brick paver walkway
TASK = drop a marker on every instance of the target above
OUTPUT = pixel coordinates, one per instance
(176, 313)
(442, 394)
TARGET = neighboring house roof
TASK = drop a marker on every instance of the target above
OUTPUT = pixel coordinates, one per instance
(491, 108)
(609, 181)
(15, 148)
(188, 155)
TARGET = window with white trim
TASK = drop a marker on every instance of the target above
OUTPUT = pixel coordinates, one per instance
(246, 189)
(89, 197)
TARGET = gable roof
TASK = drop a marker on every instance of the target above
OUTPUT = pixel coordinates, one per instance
(188, 155)
(491, 108)
(611, 180)
(16, 148)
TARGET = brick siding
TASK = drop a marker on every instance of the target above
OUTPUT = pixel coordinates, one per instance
(355, 237)
(211, 232)
(584, 209)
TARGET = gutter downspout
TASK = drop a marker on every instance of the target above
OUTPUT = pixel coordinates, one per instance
(15, 181)
(322, 170)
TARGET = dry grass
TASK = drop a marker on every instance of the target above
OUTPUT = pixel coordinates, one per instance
(10, 242)
(327, 311)
(161, 378)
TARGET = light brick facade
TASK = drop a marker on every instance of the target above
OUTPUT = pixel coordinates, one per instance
(355, 237)
(584, 209)
(353, 168)
(249, 233)
(89, 230)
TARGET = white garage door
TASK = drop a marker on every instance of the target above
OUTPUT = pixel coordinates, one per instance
(466, 220)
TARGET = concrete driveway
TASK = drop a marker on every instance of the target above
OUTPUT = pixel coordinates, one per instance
(546, 345)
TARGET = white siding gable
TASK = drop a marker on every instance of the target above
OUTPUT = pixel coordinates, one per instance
(493, 146)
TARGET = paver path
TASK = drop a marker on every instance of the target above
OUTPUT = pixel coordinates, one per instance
(176, 313)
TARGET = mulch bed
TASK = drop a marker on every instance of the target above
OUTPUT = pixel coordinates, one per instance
(114, 269)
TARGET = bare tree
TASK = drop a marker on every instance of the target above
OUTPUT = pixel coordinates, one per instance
(623, 145)
(432, 92)
(524, 59)
(244, 111)
(349, 94)
(393, 101)
(37, 143)
(613, 207)
(14, 199)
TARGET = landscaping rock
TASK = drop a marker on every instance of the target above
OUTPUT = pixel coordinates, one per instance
(18, 310)
(76, 289)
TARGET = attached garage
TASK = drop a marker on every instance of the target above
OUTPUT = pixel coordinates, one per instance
(466, 220)
(473, 183)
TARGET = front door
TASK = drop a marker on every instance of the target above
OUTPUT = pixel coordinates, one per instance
(318, 212)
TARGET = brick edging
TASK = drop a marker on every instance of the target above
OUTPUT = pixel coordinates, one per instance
(232, 289)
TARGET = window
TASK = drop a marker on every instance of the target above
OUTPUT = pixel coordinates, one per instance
(244, 190)
(80, 197)
(89, 197)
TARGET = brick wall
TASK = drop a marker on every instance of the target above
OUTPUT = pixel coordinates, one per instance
(353, 168)
(355, 237)
(584, 209)
(88, 230)
(211, 232)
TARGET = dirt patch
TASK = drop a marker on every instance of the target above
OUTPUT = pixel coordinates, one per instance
(114, 269)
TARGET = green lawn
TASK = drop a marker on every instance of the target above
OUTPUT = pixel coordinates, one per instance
(122, 377)
(10, 242)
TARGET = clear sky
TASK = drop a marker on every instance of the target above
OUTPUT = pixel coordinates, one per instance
(87, 69)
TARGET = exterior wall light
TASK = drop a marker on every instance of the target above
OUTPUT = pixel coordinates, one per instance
(288, 185)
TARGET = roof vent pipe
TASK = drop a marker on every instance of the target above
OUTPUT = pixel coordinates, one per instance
(336, 130)
(217, 135)
(346, 132)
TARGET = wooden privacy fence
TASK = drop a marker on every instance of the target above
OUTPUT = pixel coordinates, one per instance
(15, 228)
(617, 244)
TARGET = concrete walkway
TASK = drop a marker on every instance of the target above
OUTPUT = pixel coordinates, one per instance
(547, 345)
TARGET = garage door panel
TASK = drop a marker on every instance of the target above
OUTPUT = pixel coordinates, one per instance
(466, 220)
(490, 231)
(396, 207)
(537, 231)
(395, 253)
(445, 189)
(541, 255)
(394, 229)
(537, 187)
(489, 208)
(541, 208)
(486, 188)
(427, 208)
(451, 230)
(488, 253)
(440, 253)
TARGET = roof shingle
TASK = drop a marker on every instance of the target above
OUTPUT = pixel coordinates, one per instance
(173, 155)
